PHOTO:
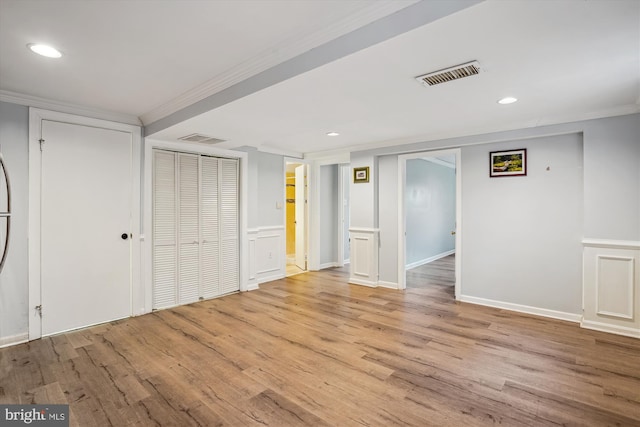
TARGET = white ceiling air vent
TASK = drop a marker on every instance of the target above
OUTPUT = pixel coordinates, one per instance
(450, 74)
(202, 139)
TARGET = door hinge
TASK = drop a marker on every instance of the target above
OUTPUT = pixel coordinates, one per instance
(39, 309)
(41, 141)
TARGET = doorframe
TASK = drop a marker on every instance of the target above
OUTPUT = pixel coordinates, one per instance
(307, 214)
(36, 116)
(402, 241)
(147, 202)
(341, 216)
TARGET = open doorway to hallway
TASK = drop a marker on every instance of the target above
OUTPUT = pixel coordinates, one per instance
(438, 277)
(429, 211)
(296, 217)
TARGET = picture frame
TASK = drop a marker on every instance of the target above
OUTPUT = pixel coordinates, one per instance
(361, 175)
(508, 163)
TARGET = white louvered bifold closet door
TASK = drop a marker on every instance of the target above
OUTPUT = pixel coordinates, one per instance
(189, 229)
(229, 248)
(165, 248)
(195, 228)
(210, 230)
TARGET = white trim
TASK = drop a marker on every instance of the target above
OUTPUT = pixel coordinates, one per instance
(253, 286)
(402, 184)
(544, 312)
(192, 148)
(329, 265)
(269, 228)
(612, 329)
(362, 282)
(65, 107)
(280, 152)
(613, 244)
(388, 285)
(439, 162)
(451, 137)
(14, 340)
(252, 275)
(271, 278)
(630, 286)
(363, 230)
(430, 259)
(36, 116)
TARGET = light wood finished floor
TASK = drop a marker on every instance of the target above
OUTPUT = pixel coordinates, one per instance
(311, 350)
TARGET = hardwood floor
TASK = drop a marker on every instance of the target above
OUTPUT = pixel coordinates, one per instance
(312, 350)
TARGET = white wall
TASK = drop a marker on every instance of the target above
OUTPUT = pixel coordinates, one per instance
(14, 290)
(329, 215)
(523, 235)
(388, 218)
(270, 190)
(610, 200)
(612, 178)
(430, 210)
(364, 195)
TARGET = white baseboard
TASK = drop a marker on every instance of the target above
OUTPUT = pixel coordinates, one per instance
(355, 281)
(253, 286)
(389, 285)
(430, 259)
(271, 278)
(561, 315)
(14, 340)
(328, 265)
(612, 329)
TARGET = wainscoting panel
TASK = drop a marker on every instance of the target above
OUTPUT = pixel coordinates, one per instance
(364, 256)
(269, 256)
(252, 283)
(612, 286)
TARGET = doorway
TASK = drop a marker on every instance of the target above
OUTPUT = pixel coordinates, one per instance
(429, 215)
(296, 217)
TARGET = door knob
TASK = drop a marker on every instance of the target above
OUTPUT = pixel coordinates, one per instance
(124, 236)
(453, 232)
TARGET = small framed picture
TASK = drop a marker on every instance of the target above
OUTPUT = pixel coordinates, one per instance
(508, 163)
(361, 174)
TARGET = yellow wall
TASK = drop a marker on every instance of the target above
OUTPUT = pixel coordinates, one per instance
(291, 214)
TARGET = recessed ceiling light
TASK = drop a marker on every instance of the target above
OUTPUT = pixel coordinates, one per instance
(507, 100)
(333, 134)
(44, 50)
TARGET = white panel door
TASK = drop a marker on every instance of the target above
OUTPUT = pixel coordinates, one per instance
(85, 226)
(210, 228)
(300, 215)
(165, 229)
(229, 227)
(189, 229)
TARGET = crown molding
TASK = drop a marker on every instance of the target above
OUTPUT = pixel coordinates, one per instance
(290, 48)
(622, 110)
(64, 107)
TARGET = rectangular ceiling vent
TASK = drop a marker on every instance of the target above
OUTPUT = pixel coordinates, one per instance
(450, 74)
(202, 139)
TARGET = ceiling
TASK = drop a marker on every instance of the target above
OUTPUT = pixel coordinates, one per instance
(186, 67)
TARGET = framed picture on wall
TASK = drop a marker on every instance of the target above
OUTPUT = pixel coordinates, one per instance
(361, 174)
(508, 163)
